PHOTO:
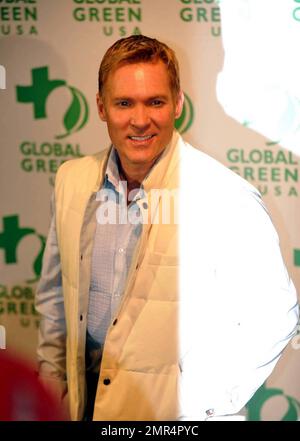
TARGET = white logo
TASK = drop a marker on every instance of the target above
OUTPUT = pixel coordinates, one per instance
(2, 337)
(158, 206)
(2, 77)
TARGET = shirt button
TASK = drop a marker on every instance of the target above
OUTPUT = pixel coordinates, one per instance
(106, 381)
(145, 205)
(210, 412)
(115, 322)
(121, 250)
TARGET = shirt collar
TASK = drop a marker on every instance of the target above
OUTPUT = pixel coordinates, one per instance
(112, 177)
(156, 176)
(112, 171)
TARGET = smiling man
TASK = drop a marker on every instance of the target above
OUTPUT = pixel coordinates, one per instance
(112, 338)
(139, 101)
(139, 107)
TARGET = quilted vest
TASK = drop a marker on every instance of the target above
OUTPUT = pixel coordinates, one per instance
(139, 372)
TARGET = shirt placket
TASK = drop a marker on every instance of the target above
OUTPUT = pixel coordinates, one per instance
(122, 233)
(125, 239)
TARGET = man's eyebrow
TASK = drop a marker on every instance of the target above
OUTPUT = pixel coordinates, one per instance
(121, 98)
(156, 97)
(151, 98)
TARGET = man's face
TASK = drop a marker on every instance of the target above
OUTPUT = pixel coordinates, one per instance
(140, 110)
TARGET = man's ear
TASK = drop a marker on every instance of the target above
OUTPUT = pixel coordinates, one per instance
(179, 104)
(101, 108)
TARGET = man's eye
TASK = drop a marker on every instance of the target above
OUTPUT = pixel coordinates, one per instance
(123, 103)
(157, 103)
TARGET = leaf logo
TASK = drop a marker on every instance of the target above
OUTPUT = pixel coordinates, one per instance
(263, 394)
(38, 261)
(77, 114)
(184, 122)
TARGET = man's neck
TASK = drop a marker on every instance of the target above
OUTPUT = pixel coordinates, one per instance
(133, 179)
(134, 176)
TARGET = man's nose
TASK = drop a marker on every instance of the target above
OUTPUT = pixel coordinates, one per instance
(140, 117)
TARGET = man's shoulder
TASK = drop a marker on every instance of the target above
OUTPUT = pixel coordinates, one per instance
(219, 195)
(203, 164)
(84, 163)
(202, 169)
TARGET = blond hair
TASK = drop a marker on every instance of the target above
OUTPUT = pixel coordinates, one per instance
(139, 49)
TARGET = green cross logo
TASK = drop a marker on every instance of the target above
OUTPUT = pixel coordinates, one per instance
(262, 395)
(38, 92)
(10, 238)
(184, 122)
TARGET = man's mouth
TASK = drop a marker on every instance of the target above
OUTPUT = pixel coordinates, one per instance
(141, 138)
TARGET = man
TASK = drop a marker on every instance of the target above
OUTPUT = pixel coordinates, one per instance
(125, 330)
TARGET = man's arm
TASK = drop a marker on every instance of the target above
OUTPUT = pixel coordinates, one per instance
(51, 349)
(239, 325)
(261, 295)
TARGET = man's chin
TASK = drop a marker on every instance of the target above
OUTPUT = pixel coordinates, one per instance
(140, 161)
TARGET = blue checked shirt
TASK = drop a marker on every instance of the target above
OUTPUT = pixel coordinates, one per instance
(114, 245)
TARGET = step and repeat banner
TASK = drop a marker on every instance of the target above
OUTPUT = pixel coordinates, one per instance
(240, 77)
